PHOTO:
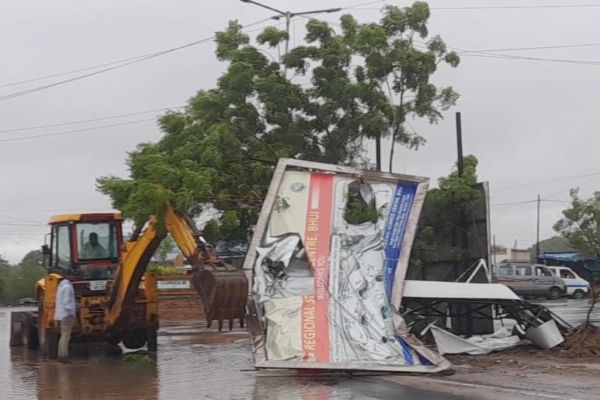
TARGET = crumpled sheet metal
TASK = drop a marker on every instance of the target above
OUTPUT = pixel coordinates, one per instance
(448, 343)
(325, 293)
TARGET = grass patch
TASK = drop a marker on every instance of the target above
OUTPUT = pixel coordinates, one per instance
(137, 358)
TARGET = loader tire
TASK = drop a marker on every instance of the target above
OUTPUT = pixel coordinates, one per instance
(135, 339)
(152, 340)
(51, 345)
(31, 331)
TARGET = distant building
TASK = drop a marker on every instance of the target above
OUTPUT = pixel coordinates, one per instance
(500, 255)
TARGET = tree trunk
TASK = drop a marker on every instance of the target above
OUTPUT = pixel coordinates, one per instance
(378, 152)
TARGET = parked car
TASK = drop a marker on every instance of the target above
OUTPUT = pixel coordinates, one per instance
(526, 279)
(577, 287)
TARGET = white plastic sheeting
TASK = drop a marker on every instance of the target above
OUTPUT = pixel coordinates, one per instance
(458, 291)
(448, 343)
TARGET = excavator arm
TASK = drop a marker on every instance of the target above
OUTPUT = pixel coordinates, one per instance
(222, 288)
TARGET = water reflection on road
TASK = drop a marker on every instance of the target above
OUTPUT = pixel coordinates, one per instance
(572, 311)
(191, 363)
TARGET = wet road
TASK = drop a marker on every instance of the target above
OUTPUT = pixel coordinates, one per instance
(573, 311)
(192, 362)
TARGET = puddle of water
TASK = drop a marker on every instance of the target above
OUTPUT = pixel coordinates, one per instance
(192, 362)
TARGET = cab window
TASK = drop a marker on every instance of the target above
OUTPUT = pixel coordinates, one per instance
(524, 270)
(505, 270)
(97, 241)
(63, 247)
(566, 274)
(540, 271)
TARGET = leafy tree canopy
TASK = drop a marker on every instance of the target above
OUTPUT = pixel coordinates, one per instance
(456, 199)
(363, 82)
(17, 282)
(166, 246)
(555, 243)
(580, 224)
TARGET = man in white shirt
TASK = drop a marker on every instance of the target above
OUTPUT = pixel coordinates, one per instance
(92, 249)
(65, 312)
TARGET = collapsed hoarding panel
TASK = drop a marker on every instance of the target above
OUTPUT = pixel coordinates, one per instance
(327, 264)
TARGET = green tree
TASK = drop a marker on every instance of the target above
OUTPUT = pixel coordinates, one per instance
(364, 83)
(555, 243)
(166, 246)
(580, 224)
(27, 273)
(17, 282)
(441, 231)
(498, 247)
(5, 280)
(390, 84)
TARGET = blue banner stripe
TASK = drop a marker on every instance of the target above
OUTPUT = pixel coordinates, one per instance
(393, 236)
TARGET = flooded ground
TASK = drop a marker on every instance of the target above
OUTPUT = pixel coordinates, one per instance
(573, 311)
(193, 362)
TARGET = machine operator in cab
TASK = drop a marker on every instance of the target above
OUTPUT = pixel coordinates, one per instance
(93, 249)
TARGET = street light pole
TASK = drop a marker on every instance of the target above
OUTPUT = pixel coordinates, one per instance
(288, 15)
(537, 242)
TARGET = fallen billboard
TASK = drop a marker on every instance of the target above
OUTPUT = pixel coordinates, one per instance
(327, 265)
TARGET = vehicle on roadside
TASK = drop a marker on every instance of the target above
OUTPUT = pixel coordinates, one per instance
(577, 287)
(527, 279)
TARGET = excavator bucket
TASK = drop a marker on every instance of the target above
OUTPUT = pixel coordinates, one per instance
(224, 291)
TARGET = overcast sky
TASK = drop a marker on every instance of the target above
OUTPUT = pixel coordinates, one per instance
(527, 121)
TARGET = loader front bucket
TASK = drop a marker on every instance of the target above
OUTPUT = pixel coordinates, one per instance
(223, 290)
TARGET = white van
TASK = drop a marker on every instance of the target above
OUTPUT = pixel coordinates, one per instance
(577, 287)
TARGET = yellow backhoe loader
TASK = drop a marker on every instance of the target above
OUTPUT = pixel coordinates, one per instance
(116, 299)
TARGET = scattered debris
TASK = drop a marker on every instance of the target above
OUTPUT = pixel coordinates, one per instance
(582, 342)
(448, 343)
(545, 336)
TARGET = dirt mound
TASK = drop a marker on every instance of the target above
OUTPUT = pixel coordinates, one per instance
(180, 308)
(582, 342)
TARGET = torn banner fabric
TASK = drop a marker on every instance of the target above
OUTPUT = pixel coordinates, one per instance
(330, 254)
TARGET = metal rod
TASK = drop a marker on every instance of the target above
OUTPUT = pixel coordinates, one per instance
(288, 17)
(378, 152)
(459, 144)
(327, 10)
(537, 244)
(495, 250)
(264, 6)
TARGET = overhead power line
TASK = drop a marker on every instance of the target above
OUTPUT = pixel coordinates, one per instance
(131, 61)
(528, 201)
(20, 219)
(88, 120)
(547, 178)
(540, 6)
(39, 88)
(75, 131)
(549, 181)
(564, 46)
(73, 71)
(22, 234)
(19, 224)
(489, 53)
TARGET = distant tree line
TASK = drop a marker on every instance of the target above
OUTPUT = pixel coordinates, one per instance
(18, 281)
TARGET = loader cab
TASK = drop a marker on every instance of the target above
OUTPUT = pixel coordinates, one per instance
(85, 245)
